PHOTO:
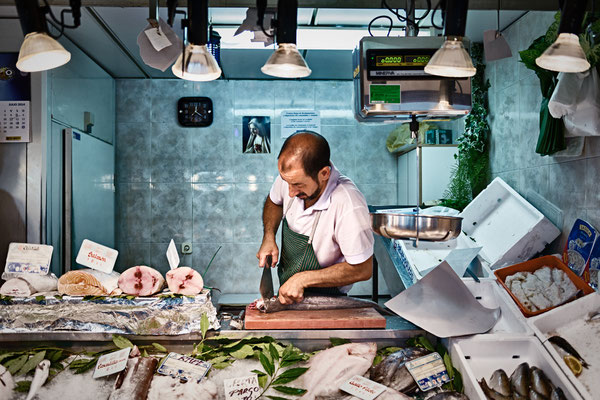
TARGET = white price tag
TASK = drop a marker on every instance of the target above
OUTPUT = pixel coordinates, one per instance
(112, 363)
(172, 255)
(183, 367)
(96, 256)
(244, 388)
(362, 387)
(28, 258)
(157, 38)
(428, 371)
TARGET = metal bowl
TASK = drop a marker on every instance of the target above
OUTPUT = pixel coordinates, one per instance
(404, 226)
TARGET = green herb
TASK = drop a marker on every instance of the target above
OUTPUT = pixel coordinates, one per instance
(32, 362)
(23, 386)
(273, 362)
(121, 342)
(470, 174)
(210, 262)
(93, 298)
(58, 296)
(5, 300)
(40, 299)
(160, 347)
(338, 341)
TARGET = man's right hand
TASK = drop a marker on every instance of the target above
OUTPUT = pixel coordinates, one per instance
(267, 248)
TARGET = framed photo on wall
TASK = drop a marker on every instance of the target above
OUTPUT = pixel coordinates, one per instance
(256, 134)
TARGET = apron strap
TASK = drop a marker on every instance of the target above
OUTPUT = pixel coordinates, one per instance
(314, 227)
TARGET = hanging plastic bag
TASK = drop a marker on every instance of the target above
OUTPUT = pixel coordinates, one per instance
(400, 136)
(576, 99)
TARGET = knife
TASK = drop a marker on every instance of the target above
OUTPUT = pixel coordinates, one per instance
(266, 281)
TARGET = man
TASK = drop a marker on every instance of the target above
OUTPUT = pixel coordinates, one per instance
(327, 242)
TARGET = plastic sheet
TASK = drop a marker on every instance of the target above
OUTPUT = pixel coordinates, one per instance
(140, 316)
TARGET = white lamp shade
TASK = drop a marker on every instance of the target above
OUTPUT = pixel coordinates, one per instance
(451, 60)
(200, 64)
(286, 62)
(40, 52)
(564, 55)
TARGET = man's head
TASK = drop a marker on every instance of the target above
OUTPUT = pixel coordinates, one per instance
(303, 163)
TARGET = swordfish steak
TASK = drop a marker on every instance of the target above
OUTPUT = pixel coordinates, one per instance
(141, 281)
(185, 280)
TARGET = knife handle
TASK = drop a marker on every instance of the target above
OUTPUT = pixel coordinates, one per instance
(269, 261)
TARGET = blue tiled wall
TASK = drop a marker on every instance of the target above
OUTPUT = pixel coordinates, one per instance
(195, 185)
(570, 183)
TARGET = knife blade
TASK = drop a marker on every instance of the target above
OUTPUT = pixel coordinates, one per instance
(266, 281)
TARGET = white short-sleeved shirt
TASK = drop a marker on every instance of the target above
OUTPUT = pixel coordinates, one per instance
(344, 228)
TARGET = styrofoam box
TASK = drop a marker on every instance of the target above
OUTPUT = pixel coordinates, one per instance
(509, 229)
(427, 255)
(491, 295)
(478, 357)
(570, 321)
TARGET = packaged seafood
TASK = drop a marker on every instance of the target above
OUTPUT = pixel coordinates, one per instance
(141, 281)
(392, 371)
(185, 280)
(88, 282)
(541, 284)
(579, 247)
(570, 331)
(483, 357)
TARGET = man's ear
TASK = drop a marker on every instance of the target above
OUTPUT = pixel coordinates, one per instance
(324, 173)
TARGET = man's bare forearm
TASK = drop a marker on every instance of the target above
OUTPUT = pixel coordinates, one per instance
(272, 214)
(340, 274)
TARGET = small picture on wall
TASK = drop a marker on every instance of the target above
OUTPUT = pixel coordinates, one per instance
(445, 136)
(256, 137)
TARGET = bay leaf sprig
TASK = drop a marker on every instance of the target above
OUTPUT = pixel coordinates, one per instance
(274, 376)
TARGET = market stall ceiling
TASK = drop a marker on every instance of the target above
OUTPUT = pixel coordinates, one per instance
(109, 36)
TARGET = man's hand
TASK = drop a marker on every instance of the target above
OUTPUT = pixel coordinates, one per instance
(267, 248)
(292, 291)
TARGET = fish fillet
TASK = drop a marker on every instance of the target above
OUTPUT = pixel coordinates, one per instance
(185, 280)
(141, 281)
(17, 287)
(39, 283)
(330, 368)
(134, 381)
(88, 282)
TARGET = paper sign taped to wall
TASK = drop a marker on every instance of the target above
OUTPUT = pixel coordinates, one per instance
(28, 258)
(96, 256)
(298, 121)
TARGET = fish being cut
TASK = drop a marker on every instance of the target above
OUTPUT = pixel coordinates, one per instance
(141, 281)
(134, 381)
(185, 280)
(88, 282)
(392, 371)
(24, 285)
(165, 387)
(316, 302)
(329, 368)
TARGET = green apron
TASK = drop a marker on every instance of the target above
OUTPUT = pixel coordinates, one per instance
(298, 254)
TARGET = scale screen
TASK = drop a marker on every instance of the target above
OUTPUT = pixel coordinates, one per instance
(390, 63)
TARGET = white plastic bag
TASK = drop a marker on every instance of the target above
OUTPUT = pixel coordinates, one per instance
(576, 99)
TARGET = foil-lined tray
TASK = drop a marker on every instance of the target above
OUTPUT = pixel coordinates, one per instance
(138, 316)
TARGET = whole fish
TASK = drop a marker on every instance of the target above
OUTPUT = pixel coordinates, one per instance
(41, 375)
(448, 396)
(566, 346)
(392, 371)
(490, 393)
(317, 302)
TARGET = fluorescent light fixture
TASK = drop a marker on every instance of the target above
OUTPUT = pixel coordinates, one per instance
(566, 54)
(39, 52)
(200, 64)
(196, 63)
(452, 60)
(286, 61)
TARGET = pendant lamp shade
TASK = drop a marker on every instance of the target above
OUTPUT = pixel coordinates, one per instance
(564, 55)
(39, 52)
(286, 62)
(451, 60)
(200, 64)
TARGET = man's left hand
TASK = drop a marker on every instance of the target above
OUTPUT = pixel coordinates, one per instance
(292, 291)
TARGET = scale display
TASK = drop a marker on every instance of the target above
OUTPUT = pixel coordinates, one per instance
(398, 63)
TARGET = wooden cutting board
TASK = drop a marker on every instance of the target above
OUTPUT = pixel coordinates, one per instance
(356, 318)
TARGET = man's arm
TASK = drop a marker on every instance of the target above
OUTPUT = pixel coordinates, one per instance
(272, 214)
(340, 274)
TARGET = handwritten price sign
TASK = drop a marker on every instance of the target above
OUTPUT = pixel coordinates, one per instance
(244, 388)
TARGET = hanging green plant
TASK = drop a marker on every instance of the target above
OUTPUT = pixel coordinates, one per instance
(469, 175)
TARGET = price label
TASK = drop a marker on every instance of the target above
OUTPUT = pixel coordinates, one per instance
(428, 371)
(362, 387)
(112, 363)
(28, 258)
(96, 256)
(157, 38)
(172, 255)
(244, 388)
(182, 367)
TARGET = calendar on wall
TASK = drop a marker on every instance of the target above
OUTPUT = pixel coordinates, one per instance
(14, 121)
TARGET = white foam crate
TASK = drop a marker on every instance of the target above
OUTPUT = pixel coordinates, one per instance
(478, 357)
(490, 295)
(509, 229)
(569, 322)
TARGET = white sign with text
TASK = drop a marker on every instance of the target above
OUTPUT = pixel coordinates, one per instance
(28, 258)
(362, 387)
(112, 363)
(297, 121)
(243, 388)
(96, 256)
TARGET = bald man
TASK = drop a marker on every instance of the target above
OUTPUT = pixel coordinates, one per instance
(326, 238)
